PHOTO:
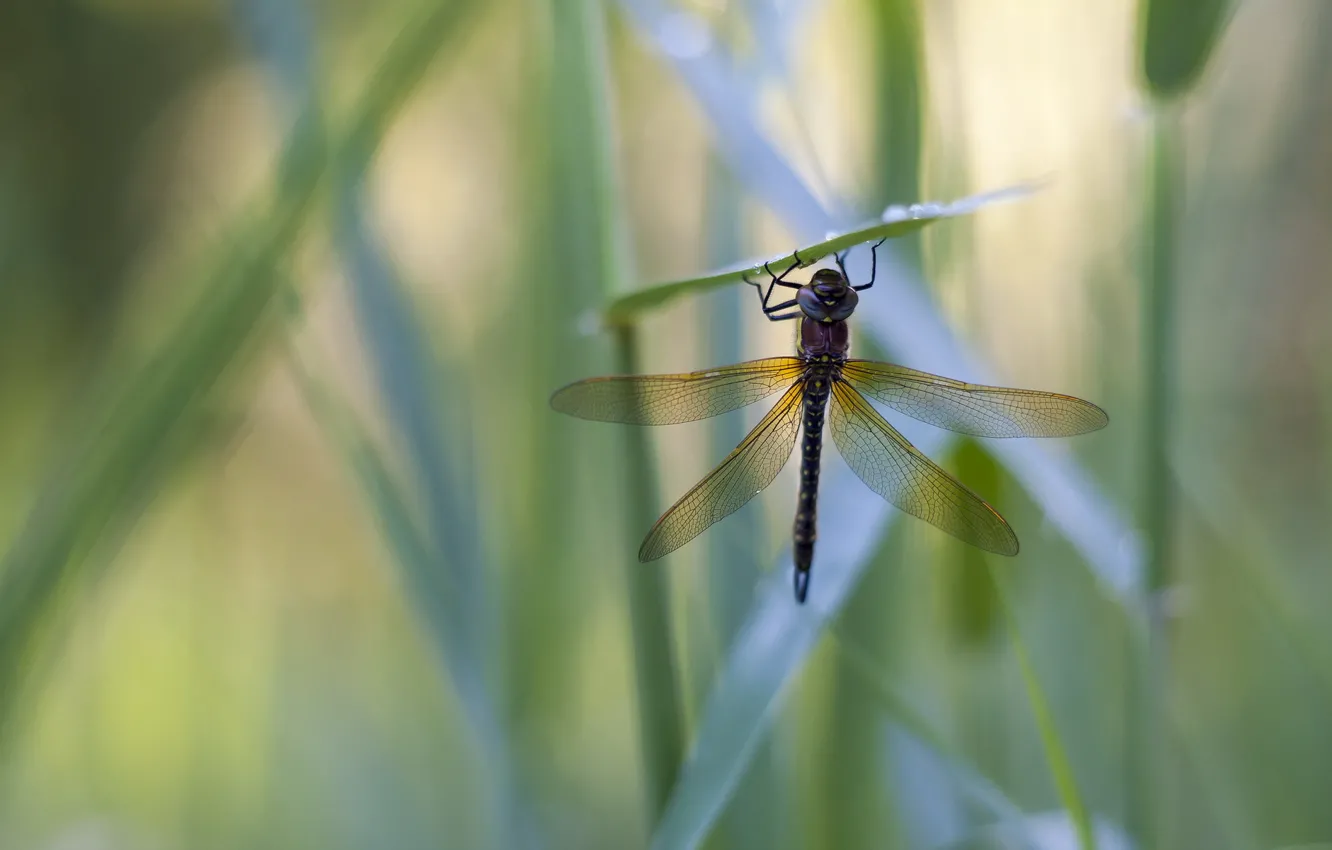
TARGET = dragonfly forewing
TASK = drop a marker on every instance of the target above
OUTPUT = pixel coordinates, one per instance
(973, 408)
(748, 469)
(896, 470)
(671, 399)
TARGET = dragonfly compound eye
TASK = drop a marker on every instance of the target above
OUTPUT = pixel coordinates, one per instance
(811, 304)
(845, 305)
(828, 302)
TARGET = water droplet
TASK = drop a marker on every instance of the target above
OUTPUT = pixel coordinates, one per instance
(895, 212)
(684, 36)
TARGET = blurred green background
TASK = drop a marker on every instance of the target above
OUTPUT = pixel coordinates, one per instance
(293, 553)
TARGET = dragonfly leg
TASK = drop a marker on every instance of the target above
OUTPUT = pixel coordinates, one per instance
(781, 278)
(764, 296)
(794, 314)
(841, 264)
(774, 280)
(874, 265)
(785, 305)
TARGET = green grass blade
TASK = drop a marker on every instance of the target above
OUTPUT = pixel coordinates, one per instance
(444, 480)
(896, 222)
(453, 577)
(414, 50)
(590, 241)
(399, 355)
(1159, 304)
(1157, 511)
(363, 458)
(900, 77)
(659, 703)
(433, 590)
(446, 570)
(1056, 755)
(145, 416)
(1177, 38)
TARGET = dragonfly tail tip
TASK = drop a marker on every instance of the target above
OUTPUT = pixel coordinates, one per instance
(801, 585)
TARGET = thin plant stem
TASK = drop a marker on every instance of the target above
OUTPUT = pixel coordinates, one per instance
(660, 734)
(1147, 688)
(1159, 321)
(1056, 755)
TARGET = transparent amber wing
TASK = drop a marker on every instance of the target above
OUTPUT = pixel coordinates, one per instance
(747, 470)
(669, 399)
(973, 408)
(896, 470)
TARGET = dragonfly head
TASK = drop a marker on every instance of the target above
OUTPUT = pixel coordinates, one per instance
(827, 297)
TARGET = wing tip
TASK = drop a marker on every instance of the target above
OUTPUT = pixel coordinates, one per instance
(563, 393)
(1097, 417)
(1009, 547)
(653, 548)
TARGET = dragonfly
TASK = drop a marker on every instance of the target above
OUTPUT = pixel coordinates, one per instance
(822, 387)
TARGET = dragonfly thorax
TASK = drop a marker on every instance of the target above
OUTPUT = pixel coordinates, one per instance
(824, 340)
(827, 297)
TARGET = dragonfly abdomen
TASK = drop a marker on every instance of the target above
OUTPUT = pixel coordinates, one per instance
(817, 388)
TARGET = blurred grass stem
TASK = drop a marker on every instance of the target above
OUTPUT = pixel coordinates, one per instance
(660, 732)
(1056, 754)
(1159, 320)
(1147, 705)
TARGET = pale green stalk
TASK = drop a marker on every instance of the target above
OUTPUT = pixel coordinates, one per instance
(1056, 755)
(660, 732)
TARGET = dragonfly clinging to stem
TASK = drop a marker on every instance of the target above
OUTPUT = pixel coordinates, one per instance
(821, 386)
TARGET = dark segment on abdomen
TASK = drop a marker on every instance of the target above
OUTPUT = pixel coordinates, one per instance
(816, 403)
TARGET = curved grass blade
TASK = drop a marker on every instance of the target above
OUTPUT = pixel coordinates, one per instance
(896, 222)
(141, 419)
(434, 591)
(443, 568)
(150, 414)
